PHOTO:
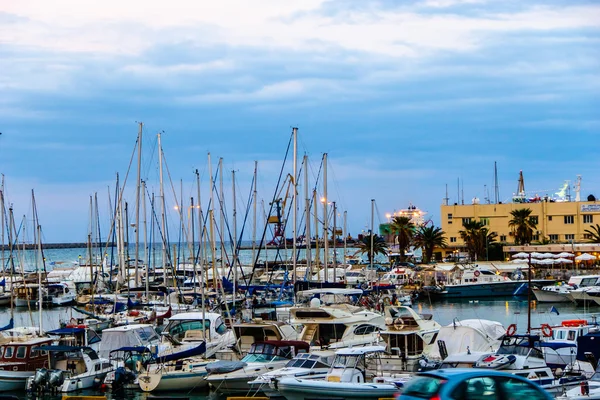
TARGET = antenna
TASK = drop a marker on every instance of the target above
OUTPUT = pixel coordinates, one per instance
(578, 188)
(486, 197)
(462, 200)
(457, 190)
(446, 198)
(496, 191)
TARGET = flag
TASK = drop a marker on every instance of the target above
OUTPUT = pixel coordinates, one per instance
(554, 310)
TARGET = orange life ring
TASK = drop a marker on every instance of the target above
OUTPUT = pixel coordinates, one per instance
(512, 329)
(546, 330)
(476, 273)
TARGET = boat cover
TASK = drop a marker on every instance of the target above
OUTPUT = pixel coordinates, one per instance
(476, 334)
(223, 367)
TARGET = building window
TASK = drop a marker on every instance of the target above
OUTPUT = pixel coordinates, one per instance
(569, 236)
(587, 236)
(569, 219)
(452, 240)
(534, 219)
(503, 238)
(588, 219)
(550, 218)
(449, 216)
(466, 221)
(553, 238)
(484, 221)
(535, 238)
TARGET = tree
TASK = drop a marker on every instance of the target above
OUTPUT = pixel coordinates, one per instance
(594, 233)
(523, 225)
(477, 239)
(428, 238)
(379, 246)
(404, 230)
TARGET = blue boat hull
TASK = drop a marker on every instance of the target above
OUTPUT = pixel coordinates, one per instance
(476, 290)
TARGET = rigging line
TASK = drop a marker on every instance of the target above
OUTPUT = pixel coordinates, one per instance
(121, 193)
(239, 241)
(336, 183)
(271, 208)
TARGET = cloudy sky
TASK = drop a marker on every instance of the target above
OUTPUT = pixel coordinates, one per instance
(404, 96)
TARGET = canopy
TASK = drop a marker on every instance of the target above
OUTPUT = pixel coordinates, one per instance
(546, 261)
(535, 254)
(548, 255)
(563, 261)
(520, 255)
(66, 331)
(564, 254)
(519, 261)
(132, 349)
(585, 257)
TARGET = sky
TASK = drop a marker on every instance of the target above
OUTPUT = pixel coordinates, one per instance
(405, 97)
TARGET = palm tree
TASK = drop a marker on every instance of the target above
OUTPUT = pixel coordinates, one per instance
(523, 225)
(428, 238)
(379, 246)
(477, 238)
(404, 230)
(594, 233)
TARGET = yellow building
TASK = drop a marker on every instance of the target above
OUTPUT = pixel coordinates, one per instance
(558, 222)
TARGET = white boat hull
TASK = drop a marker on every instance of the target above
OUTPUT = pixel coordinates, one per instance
(14, 380)
(304, 389)
(174, 380)
(82, 382)
(546, 296)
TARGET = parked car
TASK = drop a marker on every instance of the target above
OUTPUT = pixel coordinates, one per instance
(471, 384)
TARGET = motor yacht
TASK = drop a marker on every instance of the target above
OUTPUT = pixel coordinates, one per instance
(354, 374)
(265, 356)
(306, 366)
(330, 319)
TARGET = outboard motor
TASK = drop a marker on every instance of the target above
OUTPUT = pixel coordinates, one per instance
(122, 378)
(37, 383)
(55, 379)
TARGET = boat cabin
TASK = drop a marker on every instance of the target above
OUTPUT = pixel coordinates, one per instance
(258, 330)
(18, 353)
(316, 359)
(134, 335)
(399, 276)
(356, 365)
(406, 335)
(275, 350)
(195, 326)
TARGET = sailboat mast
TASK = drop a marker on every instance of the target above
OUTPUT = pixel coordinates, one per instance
(372, 233)
(221, 218)
(212, 223)
(254, 203)
(308, 250)
(295, 203)
(201, 255)
(345, 234)
(325, 220)
(38, 236)
(235, 239)
(137, 206)
(163, 225)
(145, 225)
(316, 231)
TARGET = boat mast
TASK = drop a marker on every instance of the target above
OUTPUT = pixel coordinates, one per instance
(221, 218)
(162, 212)
(325, 222)
(254, 201)
(201, 255)
(372, 237)
(212, 224)
(146, 255)
(295, 202)
(137, 206)
(235, 240)
(38, 236)
(334, 239)
(529, 295)
(308, 246)
(317, 261)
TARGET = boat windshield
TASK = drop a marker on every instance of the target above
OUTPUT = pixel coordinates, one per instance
(307, 361)
(348, 362)
(519, 350)
(177, 329)
(262, 358)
